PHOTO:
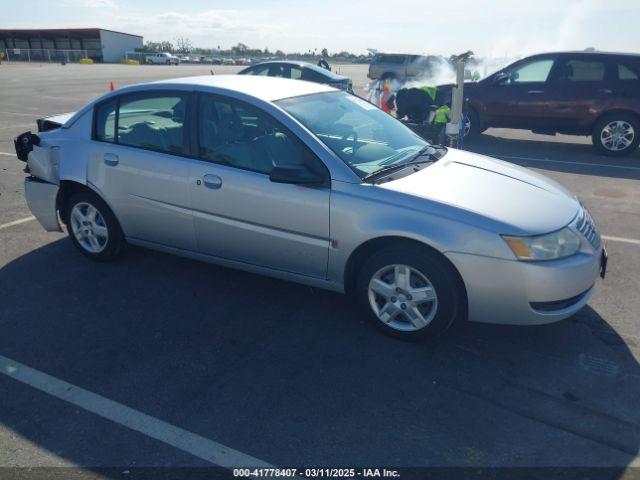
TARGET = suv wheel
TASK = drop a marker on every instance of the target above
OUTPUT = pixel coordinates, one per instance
(92, 227)
(472, 127)
(616, 135)
(409, 293)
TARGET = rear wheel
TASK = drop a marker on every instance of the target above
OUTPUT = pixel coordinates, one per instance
(616, 135)
(92, 227)
(409, 293)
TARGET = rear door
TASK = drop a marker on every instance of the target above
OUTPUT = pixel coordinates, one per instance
(239, 213)
(138, 165)
(582, 86)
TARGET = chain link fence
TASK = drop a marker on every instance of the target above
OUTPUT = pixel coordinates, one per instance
(42, 55)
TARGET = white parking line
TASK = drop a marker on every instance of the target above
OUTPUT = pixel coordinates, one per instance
(8, 154)
(621, 239)
(605, 165)
(189, 442)
(17, 222)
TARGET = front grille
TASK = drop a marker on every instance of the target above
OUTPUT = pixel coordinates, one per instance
(587, 227)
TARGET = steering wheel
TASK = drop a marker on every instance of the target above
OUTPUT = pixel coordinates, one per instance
(354, 143)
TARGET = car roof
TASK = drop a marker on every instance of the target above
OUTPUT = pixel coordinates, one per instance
(264, 88)
(587, 53)
(308, 65)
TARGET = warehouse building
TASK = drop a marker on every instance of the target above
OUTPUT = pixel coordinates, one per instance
(68, 44)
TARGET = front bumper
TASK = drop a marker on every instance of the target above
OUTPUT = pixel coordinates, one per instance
(526, 293)
(41, 197)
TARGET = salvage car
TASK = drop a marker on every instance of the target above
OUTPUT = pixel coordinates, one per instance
(307, 183)
(575, 93)
(163, 58)
(402, 67)
(300, 71)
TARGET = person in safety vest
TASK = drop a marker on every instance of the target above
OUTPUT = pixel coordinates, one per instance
(440, 120)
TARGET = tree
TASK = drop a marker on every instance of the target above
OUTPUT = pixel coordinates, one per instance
(184, 44)
(324, 53)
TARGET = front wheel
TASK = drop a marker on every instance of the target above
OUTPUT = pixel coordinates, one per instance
(472, 127)
(409, 293)
(616, 135)
(92, 227)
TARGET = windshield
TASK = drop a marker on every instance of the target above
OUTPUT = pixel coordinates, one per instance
(362, 135)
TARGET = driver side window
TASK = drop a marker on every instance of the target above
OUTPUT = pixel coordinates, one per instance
(536, 71)
(237, 134)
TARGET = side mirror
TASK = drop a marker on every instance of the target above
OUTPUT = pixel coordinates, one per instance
(500, 78)
(296, 175)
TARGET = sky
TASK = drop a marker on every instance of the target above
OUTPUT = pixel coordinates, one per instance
(498, 28)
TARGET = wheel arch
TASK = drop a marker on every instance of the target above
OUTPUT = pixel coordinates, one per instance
(371, 246)
(68, 188)
(613, 112)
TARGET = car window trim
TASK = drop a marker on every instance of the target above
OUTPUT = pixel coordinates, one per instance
(195, 136)
(186, 145)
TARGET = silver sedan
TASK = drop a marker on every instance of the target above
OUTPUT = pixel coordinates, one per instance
(306, 183)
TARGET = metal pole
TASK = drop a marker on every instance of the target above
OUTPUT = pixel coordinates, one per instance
(29, 55)
(457, 99)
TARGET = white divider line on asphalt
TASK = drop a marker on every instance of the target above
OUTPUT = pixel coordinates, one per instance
(184, 440)
(8, 154)
(533, 159)
(621, 239)
(17, 222)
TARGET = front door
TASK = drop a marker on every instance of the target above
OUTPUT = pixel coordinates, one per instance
(518, 98)
(239, 213)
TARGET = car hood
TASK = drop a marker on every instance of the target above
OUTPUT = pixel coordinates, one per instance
(519, 200)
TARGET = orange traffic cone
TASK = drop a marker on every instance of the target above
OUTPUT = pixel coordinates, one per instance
(386, 95)
(111, 87)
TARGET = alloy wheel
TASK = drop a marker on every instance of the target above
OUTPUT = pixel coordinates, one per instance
(402, 297)
(88, 227)
(617, 135)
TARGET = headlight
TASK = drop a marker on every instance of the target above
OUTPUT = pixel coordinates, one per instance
(551, 246)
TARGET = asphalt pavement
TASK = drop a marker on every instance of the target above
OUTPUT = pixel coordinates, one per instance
(159, 361)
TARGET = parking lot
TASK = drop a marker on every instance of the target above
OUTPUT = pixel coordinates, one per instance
(171, 362)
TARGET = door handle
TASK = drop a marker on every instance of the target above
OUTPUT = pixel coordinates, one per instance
(212, 181)
(111, 159)
(535, 91)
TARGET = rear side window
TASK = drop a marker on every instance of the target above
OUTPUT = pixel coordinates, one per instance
(626, 73)
(153, 122)
(105, 118)
(575, 70)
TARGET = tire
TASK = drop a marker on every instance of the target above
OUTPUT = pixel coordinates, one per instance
(100, 238)
(427, 270)
(616, 135)
(475, 127)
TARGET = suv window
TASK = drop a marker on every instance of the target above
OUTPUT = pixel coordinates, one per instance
(575, 70)
(105, 122)
(536, 71)
(237, 134)
(626, 73)
(154, 121)
(397, 59)
(313, 76)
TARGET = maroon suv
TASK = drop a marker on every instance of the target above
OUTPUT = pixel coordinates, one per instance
(578, 93)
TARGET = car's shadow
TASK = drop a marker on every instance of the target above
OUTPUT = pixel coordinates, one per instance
(294, 376)
(568, 156)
